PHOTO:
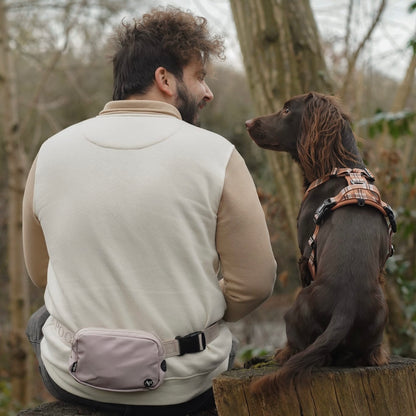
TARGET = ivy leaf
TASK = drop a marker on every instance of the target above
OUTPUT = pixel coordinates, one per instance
(412, 44)
(398, 124)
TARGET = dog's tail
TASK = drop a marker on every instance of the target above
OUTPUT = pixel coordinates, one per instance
(318, 354)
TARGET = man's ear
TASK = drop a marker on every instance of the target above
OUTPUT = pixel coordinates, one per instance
(165, 81)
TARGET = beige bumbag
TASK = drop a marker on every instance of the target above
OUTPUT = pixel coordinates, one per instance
(117, 360)
(126, 361)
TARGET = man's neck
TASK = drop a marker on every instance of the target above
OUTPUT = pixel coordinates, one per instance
(152, 95)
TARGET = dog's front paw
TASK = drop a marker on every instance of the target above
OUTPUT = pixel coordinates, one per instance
(283, 354)
(378, 356)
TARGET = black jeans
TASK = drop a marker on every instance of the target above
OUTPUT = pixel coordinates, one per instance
(204, 401)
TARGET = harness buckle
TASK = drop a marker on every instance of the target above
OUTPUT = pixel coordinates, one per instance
(194, 342)
(369, 175)
(311, 242)
(361, 202)
(322, 210)
(391, 217)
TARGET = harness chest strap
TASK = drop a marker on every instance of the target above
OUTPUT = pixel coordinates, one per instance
(341, 172)
(194, 342)
(358, 191)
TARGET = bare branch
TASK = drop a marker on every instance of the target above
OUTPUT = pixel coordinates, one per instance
(354, 57)
(72, 80)
(348, 26)
(52, 64)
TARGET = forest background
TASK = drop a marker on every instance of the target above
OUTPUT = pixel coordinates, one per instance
(55, 71)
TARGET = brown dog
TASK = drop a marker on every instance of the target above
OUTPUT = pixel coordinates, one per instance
(339, 316)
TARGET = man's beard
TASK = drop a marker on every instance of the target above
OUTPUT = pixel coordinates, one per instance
(187, 105)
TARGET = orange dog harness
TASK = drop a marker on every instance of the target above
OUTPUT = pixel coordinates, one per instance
(358, 191)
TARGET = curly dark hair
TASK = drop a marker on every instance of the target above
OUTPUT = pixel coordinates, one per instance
(167, 37)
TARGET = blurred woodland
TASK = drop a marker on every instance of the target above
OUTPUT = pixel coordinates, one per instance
(54, 71)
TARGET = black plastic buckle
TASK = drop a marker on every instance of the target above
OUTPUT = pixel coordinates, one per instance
(361, 202)
(322, 210)
(191, 343)
(391, 217)
(369, 175)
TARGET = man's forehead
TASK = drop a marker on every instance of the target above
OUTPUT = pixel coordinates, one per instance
(196, 65)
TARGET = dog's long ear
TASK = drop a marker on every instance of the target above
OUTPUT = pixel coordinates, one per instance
(320, 145)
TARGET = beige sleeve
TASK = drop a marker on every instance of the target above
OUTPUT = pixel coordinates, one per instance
(243, 243)
(34, 245)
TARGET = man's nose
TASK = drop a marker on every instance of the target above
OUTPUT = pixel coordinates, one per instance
(209, 96)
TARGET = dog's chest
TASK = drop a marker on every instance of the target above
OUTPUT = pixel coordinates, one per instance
(310, 204)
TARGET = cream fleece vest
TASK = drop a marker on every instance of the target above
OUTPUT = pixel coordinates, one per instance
(128, 204)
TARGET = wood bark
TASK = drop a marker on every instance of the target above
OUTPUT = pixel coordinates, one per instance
(366, 391)
(20, 363)
(68, 409)
(405, 88)
(64, 409)
(282, 56)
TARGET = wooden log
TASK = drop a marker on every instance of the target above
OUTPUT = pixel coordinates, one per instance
(365, 391)
(68, 409)
(64, 409)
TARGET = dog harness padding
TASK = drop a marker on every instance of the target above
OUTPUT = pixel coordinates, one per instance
(358, 192)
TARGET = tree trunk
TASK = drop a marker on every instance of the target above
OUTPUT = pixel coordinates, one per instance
(365, 391)
(405, 88)
(282, 56)
(20, 363)
(408, 153)
(400, 331)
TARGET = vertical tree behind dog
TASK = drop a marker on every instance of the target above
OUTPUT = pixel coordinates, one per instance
(283, 57)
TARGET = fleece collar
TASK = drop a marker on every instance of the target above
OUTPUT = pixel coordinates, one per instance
(140, 106)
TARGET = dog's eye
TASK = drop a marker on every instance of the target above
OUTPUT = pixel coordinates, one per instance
(286, 110)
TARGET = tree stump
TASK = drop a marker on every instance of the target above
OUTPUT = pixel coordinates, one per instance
(363, 391)
(64, 409)
(67, 409)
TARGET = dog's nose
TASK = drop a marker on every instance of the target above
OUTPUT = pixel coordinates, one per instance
(249, 123)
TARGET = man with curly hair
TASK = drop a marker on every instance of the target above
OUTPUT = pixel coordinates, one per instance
(138, 220)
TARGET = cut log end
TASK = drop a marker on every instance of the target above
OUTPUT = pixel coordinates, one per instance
(64, 409)
(68, 409)
(366, 391)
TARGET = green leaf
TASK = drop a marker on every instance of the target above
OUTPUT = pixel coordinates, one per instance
(412, 44)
